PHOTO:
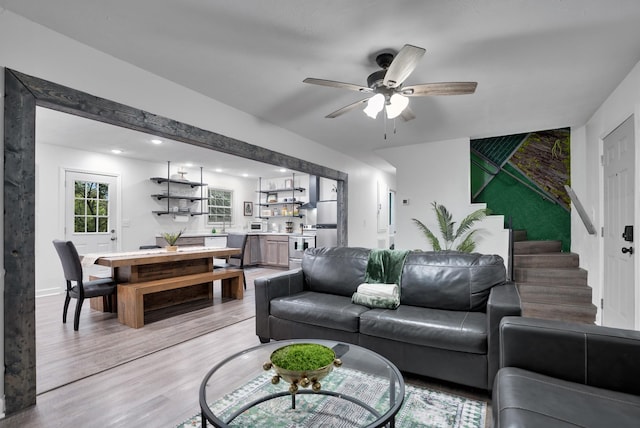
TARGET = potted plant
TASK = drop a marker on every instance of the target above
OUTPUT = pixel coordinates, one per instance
(171, 239)
(302, 364)
(466, 243)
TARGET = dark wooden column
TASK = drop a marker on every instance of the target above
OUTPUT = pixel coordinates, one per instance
(19, 246)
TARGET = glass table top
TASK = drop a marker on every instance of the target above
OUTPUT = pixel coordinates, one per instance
(366, 390)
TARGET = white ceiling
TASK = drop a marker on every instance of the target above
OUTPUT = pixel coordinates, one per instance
(62, 129)
(539, 64)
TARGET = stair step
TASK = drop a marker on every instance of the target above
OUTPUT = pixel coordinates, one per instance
(559, 276)
(575, 313)
(547, 260)
(549, 293)
(537, 247)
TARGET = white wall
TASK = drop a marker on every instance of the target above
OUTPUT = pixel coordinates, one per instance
(439, 171)
(586, 148)
(138, 224)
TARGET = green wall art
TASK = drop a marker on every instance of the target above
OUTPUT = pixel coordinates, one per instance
(522, 177)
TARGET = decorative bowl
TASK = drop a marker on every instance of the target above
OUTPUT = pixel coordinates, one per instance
(302, 365)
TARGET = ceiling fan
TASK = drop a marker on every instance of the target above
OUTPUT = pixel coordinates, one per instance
(387, 88)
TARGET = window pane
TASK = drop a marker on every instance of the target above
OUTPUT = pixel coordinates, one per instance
(78, 208)
(91, 224)
(103, 192)
(79, 189)
(92, 190)
(91, 207)
(78, 225)
(220, 206)
(103, 224)
(103, 208)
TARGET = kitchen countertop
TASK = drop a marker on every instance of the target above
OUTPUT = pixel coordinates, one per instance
(209, 234)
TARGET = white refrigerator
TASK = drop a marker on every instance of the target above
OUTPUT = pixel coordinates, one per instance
(326, 224)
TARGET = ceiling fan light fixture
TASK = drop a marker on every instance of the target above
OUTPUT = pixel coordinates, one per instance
(397, 103)
(374, 106)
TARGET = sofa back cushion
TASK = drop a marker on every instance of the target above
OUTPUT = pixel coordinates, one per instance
(334, 270)
(450, 279)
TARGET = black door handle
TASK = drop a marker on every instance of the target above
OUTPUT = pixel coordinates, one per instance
(627, 250)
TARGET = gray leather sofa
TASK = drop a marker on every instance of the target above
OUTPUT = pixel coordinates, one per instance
(560, 374)
(446, 326)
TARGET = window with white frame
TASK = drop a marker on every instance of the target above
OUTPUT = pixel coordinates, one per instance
(90, 207)
(220, 206)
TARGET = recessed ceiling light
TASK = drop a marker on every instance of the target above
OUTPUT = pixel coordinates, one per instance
(116, 151)
(218, 169)
(283, 170)
(156, 141)
(245, 175)
(188, 164)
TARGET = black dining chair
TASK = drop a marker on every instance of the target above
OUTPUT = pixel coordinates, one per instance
(235, 240)
(76, 287)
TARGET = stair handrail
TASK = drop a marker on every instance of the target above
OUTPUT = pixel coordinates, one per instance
(581, 212)
(510, 275)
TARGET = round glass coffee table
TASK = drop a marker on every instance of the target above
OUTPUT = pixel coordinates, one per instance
(367, 390)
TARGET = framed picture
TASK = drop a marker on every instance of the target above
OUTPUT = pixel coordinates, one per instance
(248, 209)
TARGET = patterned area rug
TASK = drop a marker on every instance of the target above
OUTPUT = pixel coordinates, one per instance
(422, 407)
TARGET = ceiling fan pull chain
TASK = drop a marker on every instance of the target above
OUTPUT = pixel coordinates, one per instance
(384, 119)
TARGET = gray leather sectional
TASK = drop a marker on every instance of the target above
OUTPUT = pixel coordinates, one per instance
(561, 374)
(446, 326)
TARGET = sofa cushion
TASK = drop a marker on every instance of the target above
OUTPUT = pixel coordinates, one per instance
(324, 310)
(450, 279)
(451, 330)
(335, 270)
(527, 399)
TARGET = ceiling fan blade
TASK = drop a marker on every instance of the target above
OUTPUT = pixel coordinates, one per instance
(443, 88)
(407, 114)
(346, 109)
(334, 84)
(402, 65)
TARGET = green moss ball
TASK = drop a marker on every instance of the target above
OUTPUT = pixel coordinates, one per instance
(302, 356)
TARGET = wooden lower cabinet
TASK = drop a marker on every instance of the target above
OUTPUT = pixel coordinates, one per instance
(252, 251)
(276, 251)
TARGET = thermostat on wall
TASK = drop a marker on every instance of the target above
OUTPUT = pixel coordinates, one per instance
(405, 202)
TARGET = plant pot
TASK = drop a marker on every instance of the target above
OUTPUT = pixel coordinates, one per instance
(302, 378)
(171, 248)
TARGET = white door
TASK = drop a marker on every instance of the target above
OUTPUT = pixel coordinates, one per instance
(90, 212)
(618, 287)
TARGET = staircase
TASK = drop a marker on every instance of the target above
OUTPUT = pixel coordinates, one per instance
(551, 283)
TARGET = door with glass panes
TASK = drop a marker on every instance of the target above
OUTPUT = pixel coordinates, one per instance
(90, 211)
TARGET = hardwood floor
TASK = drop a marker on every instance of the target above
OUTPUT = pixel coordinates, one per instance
(109, 375)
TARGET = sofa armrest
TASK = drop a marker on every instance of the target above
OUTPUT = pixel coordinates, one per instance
(504, 300)
(270, 287)
(593, 355)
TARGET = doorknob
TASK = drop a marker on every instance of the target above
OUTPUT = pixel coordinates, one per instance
(113, 238)
(627, 250)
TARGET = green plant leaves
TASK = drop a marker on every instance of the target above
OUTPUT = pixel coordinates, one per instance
(447, 229)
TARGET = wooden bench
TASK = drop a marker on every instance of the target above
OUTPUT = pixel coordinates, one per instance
(131, 295)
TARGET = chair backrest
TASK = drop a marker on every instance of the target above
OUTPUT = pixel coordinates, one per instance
(237, 240)
(70, 260)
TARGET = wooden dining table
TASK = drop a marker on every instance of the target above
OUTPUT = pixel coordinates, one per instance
(154, 279)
